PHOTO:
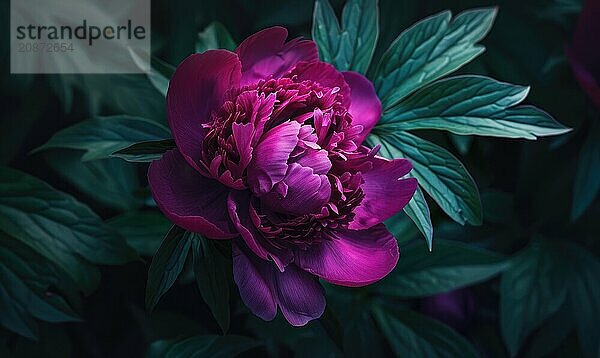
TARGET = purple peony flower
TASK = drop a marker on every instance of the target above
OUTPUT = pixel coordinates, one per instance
(269, 153)
(584, 52)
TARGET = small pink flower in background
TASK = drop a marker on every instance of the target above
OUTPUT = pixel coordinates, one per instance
(584, 53)
(270, 154)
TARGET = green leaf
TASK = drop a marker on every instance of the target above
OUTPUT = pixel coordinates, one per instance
(532, 290)
(110, 182)
(402, 227)
(25, 282)
(211, 270)
(442, 176)
(102, 136)
(587, 177)
(361, 337)
(351, 46)
(143, 152)
(167, 264)
(429, 50)
(159, 73)
(449, 266)
(418, 211)
(417, 208)
(415, 335)
(204, 346)
(214, 36)
(58, 227)
(462, 143)
(143, 230)
(470, 105)
(584, 297)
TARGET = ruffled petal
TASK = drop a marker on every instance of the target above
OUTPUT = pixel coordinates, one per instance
(238, 203)
(301, 192)
(324, 74)
(188, 199)
(365, 106)
(269, 163)
(352, 258)
(263, 287)
(195, 89)
(385, 193)
(266, 53)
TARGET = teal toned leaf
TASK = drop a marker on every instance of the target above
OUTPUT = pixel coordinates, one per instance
(412, 334)
(417, 208)
(418, 211)
(159, 73)
(167, 264)
(532, 290)
(58, 227)
(206, 346)
(429, 50)
(472, 105)
(442, 176)
(143, 152)
(462, 143)
(110, 182)
(25, 281)
(449, 266)
(143, 230)
(587, 177)
(214, 36)
(402, 227)
(351, 46)
(211, 270)
(551, 334)
(102, 136)
(584, 297)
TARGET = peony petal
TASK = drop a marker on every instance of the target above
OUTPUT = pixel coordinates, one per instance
(238, 203)
(254, 278)
(188, 199)
(195, 89)
(300, 192)
(265, 53)
(318, 160)
(300, 296)
(352, 258)
(365, 107)
(324, 74)
(269, 163)
(262, 288)
(385, 193)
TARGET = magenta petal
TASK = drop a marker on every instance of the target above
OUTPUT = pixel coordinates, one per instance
(269, 163)
(266, 53)
(188, 199)
(195, 89)
(263, 287)
(300, 192)
(324, 74)
(365, 107)
(352, 258)
(300, 296)
(238, 203)
(385, 193)
(254, 278)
